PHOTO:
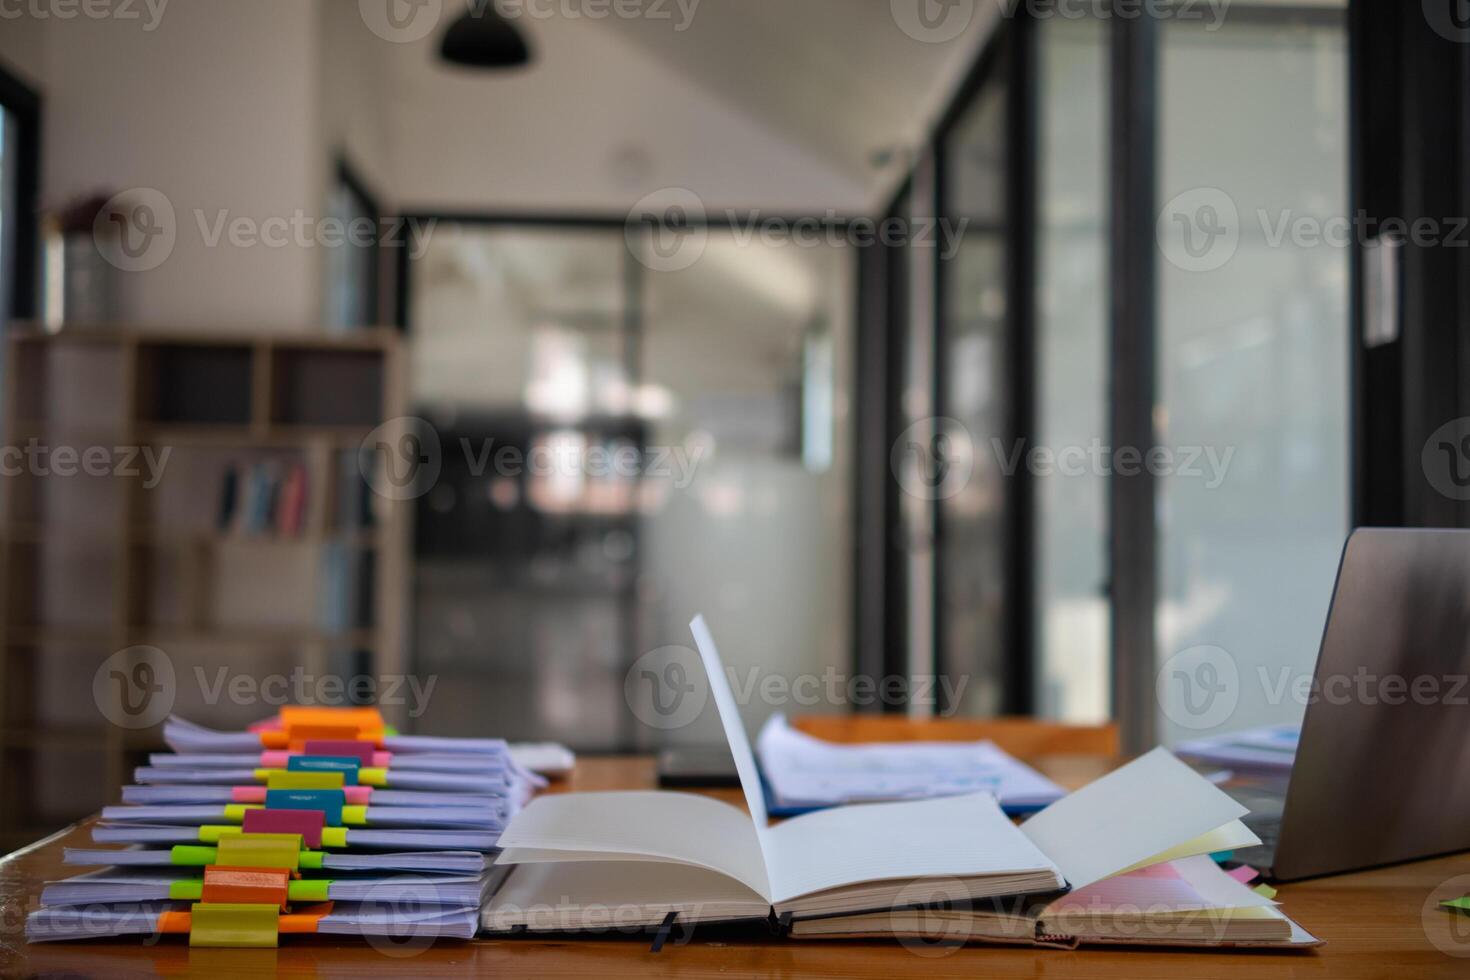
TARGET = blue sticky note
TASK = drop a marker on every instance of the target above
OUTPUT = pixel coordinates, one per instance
(329, 801)
(345, 764)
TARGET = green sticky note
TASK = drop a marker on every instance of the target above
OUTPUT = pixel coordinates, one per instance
(191, 855)
(188, 890)
(314, 890)
(1265, 890)
(1457, 905)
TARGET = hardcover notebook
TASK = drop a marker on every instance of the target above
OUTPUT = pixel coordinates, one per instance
(581, 861)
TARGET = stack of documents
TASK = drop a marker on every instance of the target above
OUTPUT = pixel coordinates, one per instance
(1124, 860)
(318, 820)
(804, 773)
(1265, 750)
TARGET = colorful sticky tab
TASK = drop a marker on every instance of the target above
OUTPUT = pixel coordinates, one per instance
(304, 920)
(299, 890)
(224, 885)
(345, 764)
(259, 851)
(363, 752)
(358, 716)
(288, 779)
(197, 856)
(361, 795)
(1457, 904)
(1265, 891)
(307, 823)
(1244, 874)
(329, 801)
(372, 776)
(234, 924)
(313, 890)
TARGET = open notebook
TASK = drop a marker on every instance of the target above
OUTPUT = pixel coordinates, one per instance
(1175, 896)
(585, 860)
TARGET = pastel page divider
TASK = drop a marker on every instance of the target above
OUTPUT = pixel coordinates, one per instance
(307, 823)
(234, 924)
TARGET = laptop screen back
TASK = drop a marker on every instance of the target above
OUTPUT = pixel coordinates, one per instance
(1382, 773)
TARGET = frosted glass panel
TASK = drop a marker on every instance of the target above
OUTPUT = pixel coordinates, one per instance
(1252, 365)
(752, 345)
(1070, 534)
(974, 353)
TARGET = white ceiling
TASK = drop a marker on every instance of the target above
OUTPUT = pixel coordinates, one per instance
(772, 104)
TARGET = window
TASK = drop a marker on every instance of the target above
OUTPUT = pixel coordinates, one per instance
(19, 170)
(544, 352)
(351, 296)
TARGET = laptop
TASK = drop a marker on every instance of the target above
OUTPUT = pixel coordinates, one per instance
(1382, 769)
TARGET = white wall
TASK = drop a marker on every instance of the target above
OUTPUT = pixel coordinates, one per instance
(592, 125)
(240, 107)
(216, 107)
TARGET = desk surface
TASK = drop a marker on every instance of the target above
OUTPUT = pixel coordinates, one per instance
(1375, 924)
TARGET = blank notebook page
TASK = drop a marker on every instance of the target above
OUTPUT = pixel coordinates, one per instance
(955, 837)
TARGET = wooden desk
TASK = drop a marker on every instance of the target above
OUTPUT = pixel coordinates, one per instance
(1374, 924)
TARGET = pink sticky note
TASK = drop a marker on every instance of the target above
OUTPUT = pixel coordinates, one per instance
(307, 823)
(1243, 874)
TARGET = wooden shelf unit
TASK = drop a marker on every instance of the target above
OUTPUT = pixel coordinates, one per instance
(92, 564)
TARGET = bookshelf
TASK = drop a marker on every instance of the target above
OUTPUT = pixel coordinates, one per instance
(117, 531)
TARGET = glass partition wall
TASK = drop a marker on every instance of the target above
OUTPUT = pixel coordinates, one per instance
(628, 441)
(1249, 457)
(1252, 362)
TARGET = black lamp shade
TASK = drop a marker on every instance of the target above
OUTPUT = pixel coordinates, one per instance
(486, 40)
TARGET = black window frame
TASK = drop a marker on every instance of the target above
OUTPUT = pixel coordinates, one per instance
(23, 285)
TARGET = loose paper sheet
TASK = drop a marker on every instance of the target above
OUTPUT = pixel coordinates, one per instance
(1153, 804)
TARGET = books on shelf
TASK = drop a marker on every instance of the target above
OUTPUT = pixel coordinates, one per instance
(273, 496)
(318, 820)
(1116, 862)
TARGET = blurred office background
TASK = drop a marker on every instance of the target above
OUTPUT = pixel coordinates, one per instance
(590, 245)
